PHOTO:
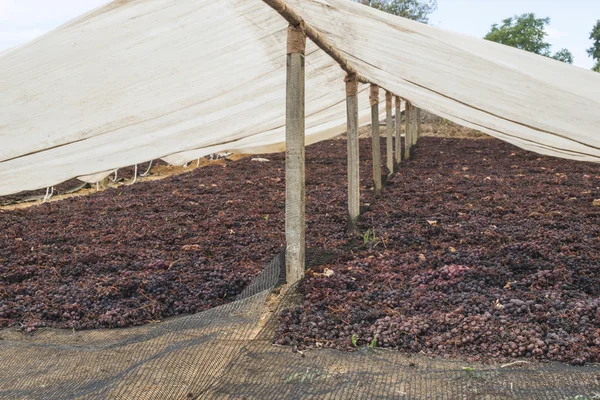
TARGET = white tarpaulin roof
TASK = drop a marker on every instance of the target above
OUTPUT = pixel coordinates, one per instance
(146, 79)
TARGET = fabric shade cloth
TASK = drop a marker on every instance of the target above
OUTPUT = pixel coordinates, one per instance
(146, 79)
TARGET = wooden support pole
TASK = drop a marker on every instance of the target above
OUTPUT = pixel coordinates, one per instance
(415, 123)
(413, 128)
(294, 156)
(407, 131)
(418, 121)
(376, 144)
(353, 153)
(398, 149)
(389, 133)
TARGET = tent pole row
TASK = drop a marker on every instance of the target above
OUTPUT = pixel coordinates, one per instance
(295, 156)
(295, 201)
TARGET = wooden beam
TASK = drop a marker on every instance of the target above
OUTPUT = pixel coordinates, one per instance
(398, 118)
(376, 144)
(389, 133)
(353, 153)
(295, 156)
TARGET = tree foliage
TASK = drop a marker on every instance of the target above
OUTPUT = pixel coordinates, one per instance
(564, 55)
(594, 51)
(417, 10)
(526, 32)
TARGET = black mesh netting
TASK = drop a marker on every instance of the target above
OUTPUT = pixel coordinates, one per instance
(227, 352)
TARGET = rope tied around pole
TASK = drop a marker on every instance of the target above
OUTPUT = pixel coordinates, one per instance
(398, 101)
(374, 95)
(351, 85)
(296, 40)
(388, 99)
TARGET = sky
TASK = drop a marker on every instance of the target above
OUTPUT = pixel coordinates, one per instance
(24, 20)
(571, 20)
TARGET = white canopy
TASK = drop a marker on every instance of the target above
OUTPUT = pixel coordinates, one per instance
(145, 79)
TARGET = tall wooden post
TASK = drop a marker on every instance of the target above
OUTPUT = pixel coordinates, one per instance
(376, 144)
(413, 128)
(415, 125)
(418, 121)
(389, 133)
(294, 156)
(398, 149)
(353, 153)
(407, 131)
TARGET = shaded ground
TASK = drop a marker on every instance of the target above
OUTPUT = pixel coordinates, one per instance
(137, 254)
(480, 250)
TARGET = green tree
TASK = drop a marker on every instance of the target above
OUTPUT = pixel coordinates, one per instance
(417, 10)
(594, 51)
(564, 55)
(526, 32)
